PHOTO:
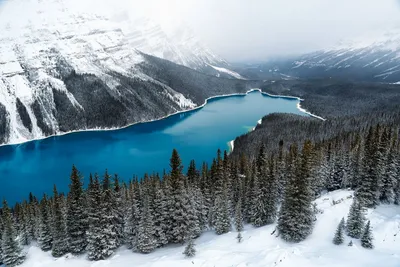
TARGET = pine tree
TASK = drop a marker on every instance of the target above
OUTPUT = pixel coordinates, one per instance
(366, 239)
(24, 234)
(97, 247)
(190, 250)
(239, 217)
(355, 220)
(45, 238)
(118, 212)
(11, 251)
(368, 192)
(160, 216)
(133, 217)
(179, 202)
(76, 218)
(387, 193)
(350, 243)
(107, 219)
(339, 235)
(296, 218)
(59, 230)
(146, 242)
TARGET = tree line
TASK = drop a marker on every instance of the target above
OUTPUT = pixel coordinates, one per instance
(176, 207)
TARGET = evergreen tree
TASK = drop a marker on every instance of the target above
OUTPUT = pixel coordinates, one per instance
(146, 242)
(97, 247)
(45, 238)
(133, 217)
(107, 219)
(350, 243)
(296, 218)
(190, 250)
(366, 239)
(368, 192)
(76, 218)
(239, 217)
(118, 212)
(160, 216)
(355, 220)
(179, 202)
(11, 251)
(387, 193)
(59, 230)
(339, 235)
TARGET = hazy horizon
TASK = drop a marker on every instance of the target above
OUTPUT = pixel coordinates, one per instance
(258, 30)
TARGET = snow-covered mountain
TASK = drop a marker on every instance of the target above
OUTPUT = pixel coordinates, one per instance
(375, 57)
(64, 59)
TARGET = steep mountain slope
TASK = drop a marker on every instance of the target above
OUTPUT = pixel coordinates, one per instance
(372, 58)
(65, 66)
(261, 247)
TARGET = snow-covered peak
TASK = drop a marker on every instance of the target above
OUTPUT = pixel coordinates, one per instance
(100, 23)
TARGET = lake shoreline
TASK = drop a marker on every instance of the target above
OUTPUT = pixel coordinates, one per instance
(231, 143)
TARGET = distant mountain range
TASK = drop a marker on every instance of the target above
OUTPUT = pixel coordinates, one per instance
(372, 58)
(64, 68)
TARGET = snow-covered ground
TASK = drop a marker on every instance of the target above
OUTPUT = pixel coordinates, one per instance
(261, 248)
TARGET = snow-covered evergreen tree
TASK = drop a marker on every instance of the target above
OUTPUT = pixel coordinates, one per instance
(367, 238)
(59, 229)
(118, 211)
(355, 220)
(160, 216)
(190, 250)
(146, 242)
(45, 238)
(76, 217)
(96, 247)
(12, 254)
(107, 218)
(339, 235)
(179, 202)
(387, 192)
(368, 191)
(296, 218)
(133, 217)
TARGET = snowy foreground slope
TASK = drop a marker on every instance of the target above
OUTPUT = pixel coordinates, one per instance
(260, 248)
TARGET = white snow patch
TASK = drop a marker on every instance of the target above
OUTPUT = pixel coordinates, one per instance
(260, 247)
(229, 72)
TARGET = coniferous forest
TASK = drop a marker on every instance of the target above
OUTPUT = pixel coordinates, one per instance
(153, 211)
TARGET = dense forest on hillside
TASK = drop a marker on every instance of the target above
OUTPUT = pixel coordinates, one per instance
(151, 212)
(346, 106)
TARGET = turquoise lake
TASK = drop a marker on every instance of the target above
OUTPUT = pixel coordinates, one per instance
(146, 147)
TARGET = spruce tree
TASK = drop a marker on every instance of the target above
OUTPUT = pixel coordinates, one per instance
(387, 192)
(11, 251)
(339, 235)
(368, 191)
(355, 220)
(146, 242)
(190, 250)
(97, 248)
(160, 216)
(179, 202)
(59, 230)
(296, 218)
(118, 211)
(133, 217)
(366, 239)
(107, 219)
(76, 218)
(45, 238)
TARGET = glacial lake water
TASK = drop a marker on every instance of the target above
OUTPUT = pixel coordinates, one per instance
(146, 147)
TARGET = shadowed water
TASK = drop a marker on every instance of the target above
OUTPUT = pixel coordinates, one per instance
(35, 166)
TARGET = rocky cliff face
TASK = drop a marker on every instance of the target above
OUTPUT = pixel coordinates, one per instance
(66, 67)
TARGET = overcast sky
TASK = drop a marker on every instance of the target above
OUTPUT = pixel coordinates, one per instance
(249, 30)
(241, 30)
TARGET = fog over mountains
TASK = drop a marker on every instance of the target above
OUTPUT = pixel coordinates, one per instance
(63, 61)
